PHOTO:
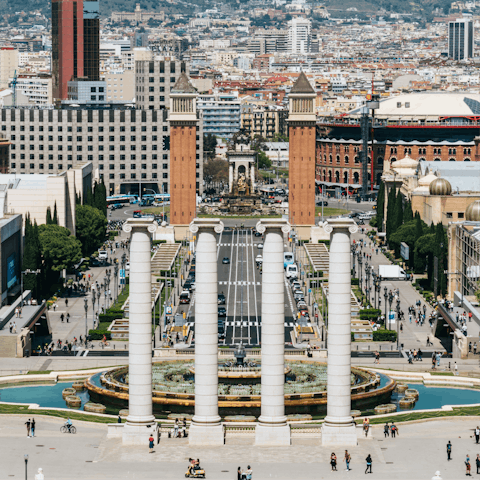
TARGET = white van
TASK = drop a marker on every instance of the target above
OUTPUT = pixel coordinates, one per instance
(292, 271)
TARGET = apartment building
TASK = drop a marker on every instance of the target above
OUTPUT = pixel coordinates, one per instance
(37, 88)
(154, 80)
(263, 121)
(221, 114)
(120, 86)
(129, 149)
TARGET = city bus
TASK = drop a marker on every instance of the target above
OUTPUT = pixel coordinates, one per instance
(123, 199)
(287, 259)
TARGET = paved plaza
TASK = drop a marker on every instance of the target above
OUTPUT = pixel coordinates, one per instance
(417, 452)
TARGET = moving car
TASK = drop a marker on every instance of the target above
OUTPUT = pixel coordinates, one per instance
(185, 297)
(291, 271)
(260, 246)
(222, 312)
(102, 255)
(226, 261)
(322, 202)
(221, 299)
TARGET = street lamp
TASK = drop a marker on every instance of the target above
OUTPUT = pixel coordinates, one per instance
(115, 276)
(124, 262)
(26, 463)
(85, 305)
(385, 295)
(99, 294)
(354, 250)
(93, 311)
(105, 293)
(360, 271)
(398, 318)
(390, 301)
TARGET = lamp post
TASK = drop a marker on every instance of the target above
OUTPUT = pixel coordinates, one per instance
(93, 305)
(354, 250)
(26, 463)
(360, 270)
(385, 295)
(124, 262)
(398, 318)
(85, 305)
(115, 276)
(390, 301)
(105, 293)
(99, 294)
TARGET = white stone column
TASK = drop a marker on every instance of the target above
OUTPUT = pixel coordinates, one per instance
(252, 177)
(230, 177)
(206, 427)
(272, 428)
(339, 428)
(140, 421)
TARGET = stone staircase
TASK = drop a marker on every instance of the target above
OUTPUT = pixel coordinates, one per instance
(8, 345)
(319, 256)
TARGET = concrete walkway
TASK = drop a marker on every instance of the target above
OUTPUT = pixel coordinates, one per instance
(416, 453)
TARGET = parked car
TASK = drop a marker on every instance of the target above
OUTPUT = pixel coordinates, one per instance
(322, 202)
(226, 261)
(102, 255)
(185, 297)
(221, 299)
(222, 312)
(260, 246)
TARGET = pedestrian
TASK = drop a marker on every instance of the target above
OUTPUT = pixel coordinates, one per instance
(433, 361)
(377, 357)
(28, 424)
(333, 462)
(17, 310)
(475, 348)
(119, 419)
(393, 429)
(150, 443)
(11, 327)
(62, 317)
(369, 464)
(428, 341)
(66, 302)
(477, 463)
(175, 429)
(468, 466)
(419, 355)
(249, 473)
(68, 317)
(386, 430)
(477, 433)
(449, 450)
(347, 460)
(410, 318)
(32, 427)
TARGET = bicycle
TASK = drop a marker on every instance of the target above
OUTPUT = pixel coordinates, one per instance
(88, 344)
(68, 429)
(102, 345)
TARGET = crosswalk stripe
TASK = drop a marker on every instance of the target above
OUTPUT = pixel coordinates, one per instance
(255, 324)
(239, 283)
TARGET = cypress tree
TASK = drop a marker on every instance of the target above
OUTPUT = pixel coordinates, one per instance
(407, 212)
(441, 247)
(30, 257)
(380, 206)
(55, 214)
(419, 260)
(398, 215)
(49, 216)
(390, 223)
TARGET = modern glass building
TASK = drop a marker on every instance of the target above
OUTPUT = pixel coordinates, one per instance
(221, 114)
(460, 38)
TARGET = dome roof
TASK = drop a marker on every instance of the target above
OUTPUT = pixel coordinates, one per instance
(440, 186)
(472, 214)
(405, 163)
(427, 180)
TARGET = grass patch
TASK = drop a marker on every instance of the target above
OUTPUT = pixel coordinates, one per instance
(448, 374)
(407, 417)
(157, 210)
(330, 211)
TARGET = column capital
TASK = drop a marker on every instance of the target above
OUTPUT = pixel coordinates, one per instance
(198, 224)
(142, 222)
(340, 223)
(273, 223)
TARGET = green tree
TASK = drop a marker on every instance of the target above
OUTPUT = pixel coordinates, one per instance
(398, 213)
(100, 197)
(441, 248)
(49, 216)
(405, 233)
(55, 214)
(425, 248)
(215, 171)
(209, 145)
(263, 161)
(91, 226)
(88, 197)
(380, 206)
(59, 248)
(390, 223)
(407, 212)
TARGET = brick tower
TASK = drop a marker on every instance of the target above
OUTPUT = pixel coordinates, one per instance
(301, 121)
(183, 153)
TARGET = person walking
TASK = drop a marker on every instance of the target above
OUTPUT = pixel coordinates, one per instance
(175, 429)
(449, 450)
(239, 473)
(477, 463)
(66, 302)
(249, 473)
(393, 429)
(333, 462)
(62, 317)
(386, 430)
(28, 424)
(32, 427)
(468, 466)
(369, 464)
(477, 434)
(151, 443)
(347, 460)
(68, 317)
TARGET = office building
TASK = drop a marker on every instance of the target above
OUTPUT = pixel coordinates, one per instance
(154, 79)
(129, 149)
(36, 88)
(460, 38)
(75, 43)
(299, 35)
(8, 65)
(221, 114)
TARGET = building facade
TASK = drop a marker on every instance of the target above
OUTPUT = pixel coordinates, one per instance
(264, 121)
(154, 79)
(299, 35)
(37, 88)
(461, 38)
(221, 114)
(129, 149)
(8, 65)
(138, 15)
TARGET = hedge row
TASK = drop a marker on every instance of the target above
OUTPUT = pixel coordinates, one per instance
(385, 336)
(98, 334)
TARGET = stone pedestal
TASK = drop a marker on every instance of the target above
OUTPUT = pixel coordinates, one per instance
(206, 427)
(339, 429)
(140, 421)
(272, 428)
